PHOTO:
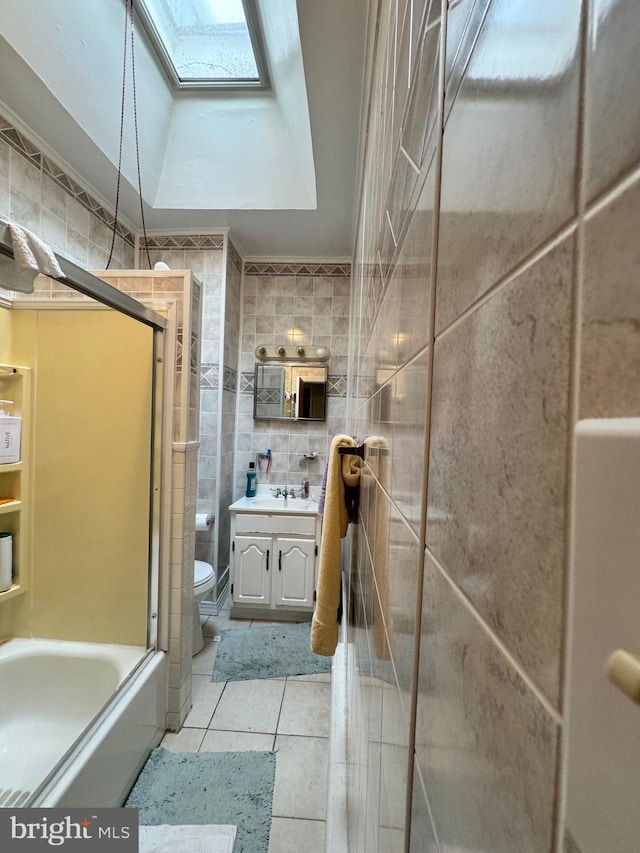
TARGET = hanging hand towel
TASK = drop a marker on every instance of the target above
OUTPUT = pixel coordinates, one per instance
(341, 471)
(32, 257)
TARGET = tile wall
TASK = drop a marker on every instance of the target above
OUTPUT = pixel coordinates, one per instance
(290, 304)
(495, 301)
(228, 398)
(216, 262)
(37, 193)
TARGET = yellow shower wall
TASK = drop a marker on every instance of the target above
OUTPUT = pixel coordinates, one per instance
(92, 428)
(5, 334)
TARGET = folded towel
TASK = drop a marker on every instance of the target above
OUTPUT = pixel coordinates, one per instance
(341, 471)
(32, 254)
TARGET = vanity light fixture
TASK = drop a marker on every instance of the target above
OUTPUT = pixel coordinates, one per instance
(281, 353)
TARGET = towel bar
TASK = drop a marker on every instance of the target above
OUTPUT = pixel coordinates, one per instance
(361, 449)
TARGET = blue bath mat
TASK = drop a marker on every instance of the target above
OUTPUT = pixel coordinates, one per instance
(233, 788)
(271, 652)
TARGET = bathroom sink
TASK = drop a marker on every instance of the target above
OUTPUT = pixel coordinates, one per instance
(271, 504)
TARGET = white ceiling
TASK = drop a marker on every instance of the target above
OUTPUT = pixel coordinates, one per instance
(279, 170)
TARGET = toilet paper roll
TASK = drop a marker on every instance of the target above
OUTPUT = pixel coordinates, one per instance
(204, 521)
(6, 561)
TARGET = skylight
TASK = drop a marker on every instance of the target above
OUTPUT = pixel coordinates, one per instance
(214, 43)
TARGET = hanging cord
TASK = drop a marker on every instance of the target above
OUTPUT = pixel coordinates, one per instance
(122, 108)
(135, 126)
(128, 15)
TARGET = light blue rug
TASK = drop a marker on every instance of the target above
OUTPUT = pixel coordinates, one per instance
(233, 788)
(270, 652)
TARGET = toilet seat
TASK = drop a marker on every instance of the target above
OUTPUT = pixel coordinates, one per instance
(202, 573)
(204, 580)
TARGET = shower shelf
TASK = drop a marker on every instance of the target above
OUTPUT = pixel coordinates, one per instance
(15, 385)
(12, 592)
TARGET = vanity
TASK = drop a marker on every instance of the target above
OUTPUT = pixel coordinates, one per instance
(274, 555)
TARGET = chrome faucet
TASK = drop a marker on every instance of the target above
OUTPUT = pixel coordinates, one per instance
(277, 492)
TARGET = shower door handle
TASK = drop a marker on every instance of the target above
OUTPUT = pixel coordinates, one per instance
(623, 670)
(280, 561)
(267, 559)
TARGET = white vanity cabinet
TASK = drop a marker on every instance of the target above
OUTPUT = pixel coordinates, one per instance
(273, 563)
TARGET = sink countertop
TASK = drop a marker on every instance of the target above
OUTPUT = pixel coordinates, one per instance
(269, 504)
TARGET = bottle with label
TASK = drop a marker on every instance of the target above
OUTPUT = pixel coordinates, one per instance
(10, 428)
(6, 560)
(251, 481)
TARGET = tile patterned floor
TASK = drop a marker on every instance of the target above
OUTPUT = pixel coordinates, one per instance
(289, 715)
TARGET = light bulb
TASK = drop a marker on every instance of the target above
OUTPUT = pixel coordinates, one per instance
(321, 352)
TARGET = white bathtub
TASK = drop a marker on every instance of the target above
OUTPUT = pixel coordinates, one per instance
(51, 692)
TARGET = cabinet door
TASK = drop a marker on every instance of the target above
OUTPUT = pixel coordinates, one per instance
(294, 572)
(251, 573)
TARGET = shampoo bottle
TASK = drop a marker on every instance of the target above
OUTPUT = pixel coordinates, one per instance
(251, 481)
(9, 435)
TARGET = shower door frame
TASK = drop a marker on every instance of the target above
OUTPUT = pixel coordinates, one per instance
(90, 285)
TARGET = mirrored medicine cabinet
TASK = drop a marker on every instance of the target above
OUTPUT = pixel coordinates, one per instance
(290, 391)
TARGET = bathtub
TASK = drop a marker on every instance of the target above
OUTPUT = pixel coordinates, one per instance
(77, 721)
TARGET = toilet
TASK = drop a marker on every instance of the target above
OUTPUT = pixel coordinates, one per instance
(204, 580)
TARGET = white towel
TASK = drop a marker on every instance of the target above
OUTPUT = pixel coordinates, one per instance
(187, 838)
(30, 254)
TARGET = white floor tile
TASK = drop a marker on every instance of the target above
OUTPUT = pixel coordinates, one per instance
(290, 835)
(216, 740)
(249, 706)
(324, 677)
(202, 663)
(186, 740)
(216, 624)
(205, 695)
(301, 777)
(306, 709)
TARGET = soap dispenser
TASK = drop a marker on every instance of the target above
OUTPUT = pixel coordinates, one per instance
(10, 428)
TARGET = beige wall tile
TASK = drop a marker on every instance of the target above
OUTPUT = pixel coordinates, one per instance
(495, 514)
(509, 169)
(610, 356)
(422, 839)
(613, 79)
(485, 745)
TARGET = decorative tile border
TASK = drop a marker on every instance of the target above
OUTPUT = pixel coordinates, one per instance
(235, 256)
(247, 382)
(209, 376)
(337, 385)
(190, 242)
(179, 348)
(334, 270)
(30, 152)
(230, 379)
